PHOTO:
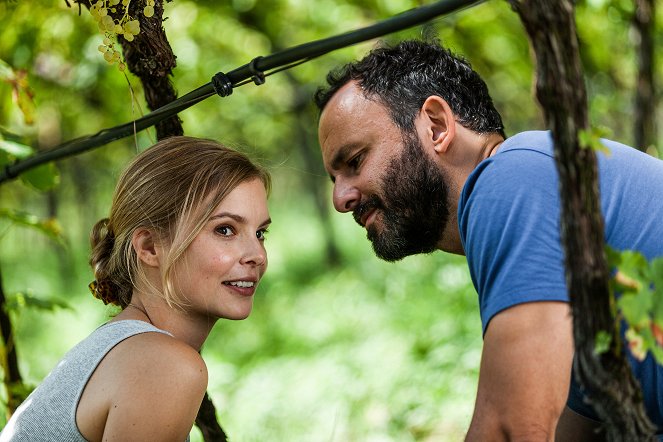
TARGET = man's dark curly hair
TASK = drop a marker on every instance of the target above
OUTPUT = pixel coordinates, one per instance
(402, 77)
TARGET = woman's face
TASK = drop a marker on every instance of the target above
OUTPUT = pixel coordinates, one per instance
(221, 268)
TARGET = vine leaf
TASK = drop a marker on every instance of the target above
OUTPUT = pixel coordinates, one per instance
(49, 226)
(26, 299)
(638, 285)
(22, 95)
(10, 150)
(43, 177)
(591, 139)
(602, 342)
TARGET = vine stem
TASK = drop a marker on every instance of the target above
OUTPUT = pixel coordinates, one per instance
(607, 377)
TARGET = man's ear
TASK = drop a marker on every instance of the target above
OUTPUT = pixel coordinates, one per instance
(439, 123)
(143, 243)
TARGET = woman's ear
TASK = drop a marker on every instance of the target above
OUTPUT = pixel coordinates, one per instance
(143, 243)
(439, 121)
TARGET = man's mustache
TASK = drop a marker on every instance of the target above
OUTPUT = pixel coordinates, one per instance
(373, 202)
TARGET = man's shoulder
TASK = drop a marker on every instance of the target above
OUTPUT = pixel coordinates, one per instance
(523, 158)
(529, 141)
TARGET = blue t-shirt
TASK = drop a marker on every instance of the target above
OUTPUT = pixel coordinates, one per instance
(508, 216)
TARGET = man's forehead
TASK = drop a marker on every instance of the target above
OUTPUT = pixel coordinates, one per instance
(350, 106)
(350, 98)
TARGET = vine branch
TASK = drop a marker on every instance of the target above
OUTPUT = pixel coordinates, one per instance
(612, 389)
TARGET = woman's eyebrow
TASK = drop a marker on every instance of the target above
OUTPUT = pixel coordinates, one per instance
(238, 218)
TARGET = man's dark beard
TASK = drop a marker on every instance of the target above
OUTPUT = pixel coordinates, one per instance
(413, 205)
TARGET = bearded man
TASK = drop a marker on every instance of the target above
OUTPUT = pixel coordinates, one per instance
(417, 153)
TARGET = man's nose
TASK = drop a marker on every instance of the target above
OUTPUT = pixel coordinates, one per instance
(346, 197)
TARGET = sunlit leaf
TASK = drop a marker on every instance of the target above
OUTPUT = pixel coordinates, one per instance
(636, 307)
(602, 342)
(636, 344)
(50, 227)
(21, 92)
(15, 149)
(591, 139)
(6, 71)
(43, 177)
(21, 300)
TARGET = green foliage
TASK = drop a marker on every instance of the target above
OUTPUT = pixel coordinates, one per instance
(26, 299)
(43, 177)
(591, 139)
(21, 92)
(638, 285)
(365, 351)
(10, 150)
(602, 342)
(49, 227)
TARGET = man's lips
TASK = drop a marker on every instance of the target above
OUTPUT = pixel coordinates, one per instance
(364, 214)
(367, 217)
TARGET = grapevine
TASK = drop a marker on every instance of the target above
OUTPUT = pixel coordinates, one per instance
(104, 13)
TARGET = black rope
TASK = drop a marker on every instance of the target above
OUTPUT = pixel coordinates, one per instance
(222, 84)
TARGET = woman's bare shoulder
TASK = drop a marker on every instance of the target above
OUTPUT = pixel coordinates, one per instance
(148, 381)
(160, 354)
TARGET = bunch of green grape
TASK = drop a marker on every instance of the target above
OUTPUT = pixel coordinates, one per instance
(126, 26)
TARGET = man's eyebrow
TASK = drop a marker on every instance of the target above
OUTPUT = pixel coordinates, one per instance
(341, 156)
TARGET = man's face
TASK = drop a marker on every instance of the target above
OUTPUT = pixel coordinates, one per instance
(389, 183)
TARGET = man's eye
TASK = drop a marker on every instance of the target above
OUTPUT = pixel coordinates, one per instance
(224, 230)
(354, 162)
(260, 234)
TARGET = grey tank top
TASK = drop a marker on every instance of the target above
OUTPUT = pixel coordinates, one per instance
(49, 413)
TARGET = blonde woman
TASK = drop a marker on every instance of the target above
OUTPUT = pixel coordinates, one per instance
(182, 247)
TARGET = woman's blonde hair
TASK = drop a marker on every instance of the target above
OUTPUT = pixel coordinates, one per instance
(171, 189)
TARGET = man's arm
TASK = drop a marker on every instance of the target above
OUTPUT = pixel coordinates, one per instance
(525, 373)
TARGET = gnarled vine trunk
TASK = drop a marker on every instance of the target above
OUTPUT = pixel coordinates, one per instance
(644, 109)
(613, 392)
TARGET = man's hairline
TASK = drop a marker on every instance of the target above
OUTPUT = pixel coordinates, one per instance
(371, 96)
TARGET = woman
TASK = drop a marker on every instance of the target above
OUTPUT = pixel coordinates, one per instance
(182, 247)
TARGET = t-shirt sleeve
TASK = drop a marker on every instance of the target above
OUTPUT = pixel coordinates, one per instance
(509, 224)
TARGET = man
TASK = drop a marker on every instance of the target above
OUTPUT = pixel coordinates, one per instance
(418, 154)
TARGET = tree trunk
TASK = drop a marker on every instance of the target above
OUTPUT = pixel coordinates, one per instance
(150, 58)
(644, 129)
(12, 380)
(613, 392)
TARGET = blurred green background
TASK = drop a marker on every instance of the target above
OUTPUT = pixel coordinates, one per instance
(340, 346)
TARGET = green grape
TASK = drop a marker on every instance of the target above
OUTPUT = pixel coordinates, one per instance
(127, 26)
(108, 22)
(133, 27)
